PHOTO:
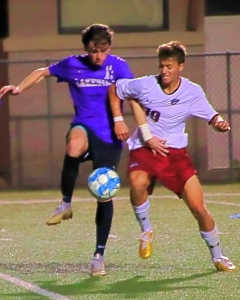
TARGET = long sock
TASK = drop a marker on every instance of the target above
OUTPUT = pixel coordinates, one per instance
(104, 215)
(213, 242)
(143, 216)
(69, 176)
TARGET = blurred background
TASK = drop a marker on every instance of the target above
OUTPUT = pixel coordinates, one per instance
(35, 34)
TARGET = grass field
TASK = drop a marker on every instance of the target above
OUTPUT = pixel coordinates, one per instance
(44, 260)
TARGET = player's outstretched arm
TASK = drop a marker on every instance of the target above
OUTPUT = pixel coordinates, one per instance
(219, 124)
(35, 77)
(155, 143)
(120, 128)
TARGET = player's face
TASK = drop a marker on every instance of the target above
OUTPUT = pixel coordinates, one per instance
(97, 53)
(169, 71)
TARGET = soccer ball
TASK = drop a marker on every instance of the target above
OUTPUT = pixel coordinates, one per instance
(103, 183)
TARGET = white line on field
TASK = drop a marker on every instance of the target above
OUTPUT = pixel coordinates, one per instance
(86, 199)
(222, 203)
(31, 287)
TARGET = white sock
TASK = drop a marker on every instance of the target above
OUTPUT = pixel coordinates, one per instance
(213, 242)
(142, 215)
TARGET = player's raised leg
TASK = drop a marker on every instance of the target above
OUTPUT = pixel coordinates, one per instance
(139, 183)
(77, 145)
(193, 196)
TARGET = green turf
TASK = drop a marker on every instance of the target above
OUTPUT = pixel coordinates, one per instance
(56, 258)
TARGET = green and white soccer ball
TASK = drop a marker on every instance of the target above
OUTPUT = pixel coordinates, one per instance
(103, 183)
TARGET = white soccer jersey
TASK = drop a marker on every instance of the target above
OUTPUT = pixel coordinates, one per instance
(166, 113)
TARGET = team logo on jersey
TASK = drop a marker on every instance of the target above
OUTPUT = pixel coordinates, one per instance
(174, 101)
(106, 81)
(87, 82)
(109, 72)
(133, 165)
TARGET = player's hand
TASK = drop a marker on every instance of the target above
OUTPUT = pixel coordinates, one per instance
(14, 90)
(121, 130)
(222, 126)
(158, 145)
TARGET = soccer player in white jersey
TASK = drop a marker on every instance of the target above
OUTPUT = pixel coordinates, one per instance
(162, 105)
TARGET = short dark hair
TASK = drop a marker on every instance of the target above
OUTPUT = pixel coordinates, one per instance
(97, 33)
(172, 49)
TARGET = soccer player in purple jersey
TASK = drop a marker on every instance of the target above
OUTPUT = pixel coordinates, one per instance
(91, 135)
(162, 105)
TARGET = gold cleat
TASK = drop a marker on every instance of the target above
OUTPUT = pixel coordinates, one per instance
(97, 267)
(60, 213)
(224, 264)
(145, 246)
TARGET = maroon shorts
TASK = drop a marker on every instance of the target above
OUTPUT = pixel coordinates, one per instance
(172, 171)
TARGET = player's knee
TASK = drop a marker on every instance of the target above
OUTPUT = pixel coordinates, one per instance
(73, 152)
(75, 149)
(138, 181)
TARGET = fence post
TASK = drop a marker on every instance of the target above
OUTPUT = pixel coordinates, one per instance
(229, 111)
(50, 124)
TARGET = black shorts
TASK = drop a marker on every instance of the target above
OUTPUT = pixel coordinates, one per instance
(101, 153)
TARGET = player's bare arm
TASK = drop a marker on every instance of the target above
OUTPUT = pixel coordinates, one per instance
(155, 143)
(35, 77)
(219, 124)
(120, 128)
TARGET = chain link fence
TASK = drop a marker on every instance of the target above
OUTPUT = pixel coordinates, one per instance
(38, 120)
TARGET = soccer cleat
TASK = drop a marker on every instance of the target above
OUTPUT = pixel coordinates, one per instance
(224, 264)
(145, 246)
(97, 267)
(62, 212)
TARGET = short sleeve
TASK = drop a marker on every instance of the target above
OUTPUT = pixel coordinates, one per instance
(60, 70)
(123, 70)
(199, 105)
(129, 88)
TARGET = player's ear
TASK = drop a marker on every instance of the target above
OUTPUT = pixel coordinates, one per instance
(86, 47)
(181, 67)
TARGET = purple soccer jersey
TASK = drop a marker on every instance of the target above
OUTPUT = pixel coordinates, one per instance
(88, 86)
